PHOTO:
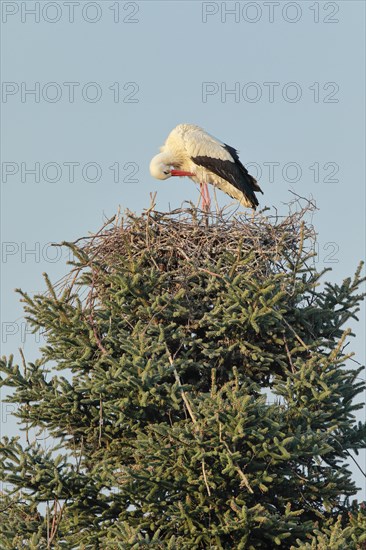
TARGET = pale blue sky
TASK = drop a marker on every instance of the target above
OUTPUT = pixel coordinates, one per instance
(163, 60)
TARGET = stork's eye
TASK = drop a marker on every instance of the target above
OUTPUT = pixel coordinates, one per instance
(166, 172)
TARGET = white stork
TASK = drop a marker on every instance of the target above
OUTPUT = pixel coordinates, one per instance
(190, 151)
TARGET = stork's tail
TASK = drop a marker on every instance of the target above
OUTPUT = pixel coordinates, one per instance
(254, 184)
(249, 198)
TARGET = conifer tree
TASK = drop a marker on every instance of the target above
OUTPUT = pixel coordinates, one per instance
(196, 389)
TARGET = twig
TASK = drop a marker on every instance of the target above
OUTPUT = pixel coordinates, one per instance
(56, 521)
(190, 411)
(185, 398)
(289, 355)
(355, 461)
(211, 272)
(10, 505)
(100, 420)
(295, 334)
(244, 478)
(205, 477)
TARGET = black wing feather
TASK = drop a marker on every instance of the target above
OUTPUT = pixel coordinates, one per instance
(234, 153)
(233, 172)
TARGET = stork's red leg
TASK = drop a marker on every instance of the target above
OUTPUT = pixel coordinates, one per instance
(208, 198)
(202, 197)
(205, 195)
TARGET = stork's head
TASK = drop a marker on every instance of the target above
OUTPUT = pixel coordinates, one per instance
(162, 167)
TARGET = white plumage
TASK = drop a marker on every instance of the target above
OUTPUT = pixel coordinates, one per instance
(190, 151)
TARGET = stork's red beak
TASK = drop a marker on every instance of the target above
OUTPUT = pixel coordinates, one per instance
(181, 173)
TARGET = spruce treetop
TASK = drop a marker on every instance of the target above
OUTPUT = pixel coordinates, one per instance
(197, 388)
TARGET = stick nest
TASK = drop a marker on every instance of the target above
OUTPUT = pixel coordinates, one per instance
(187, 238)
